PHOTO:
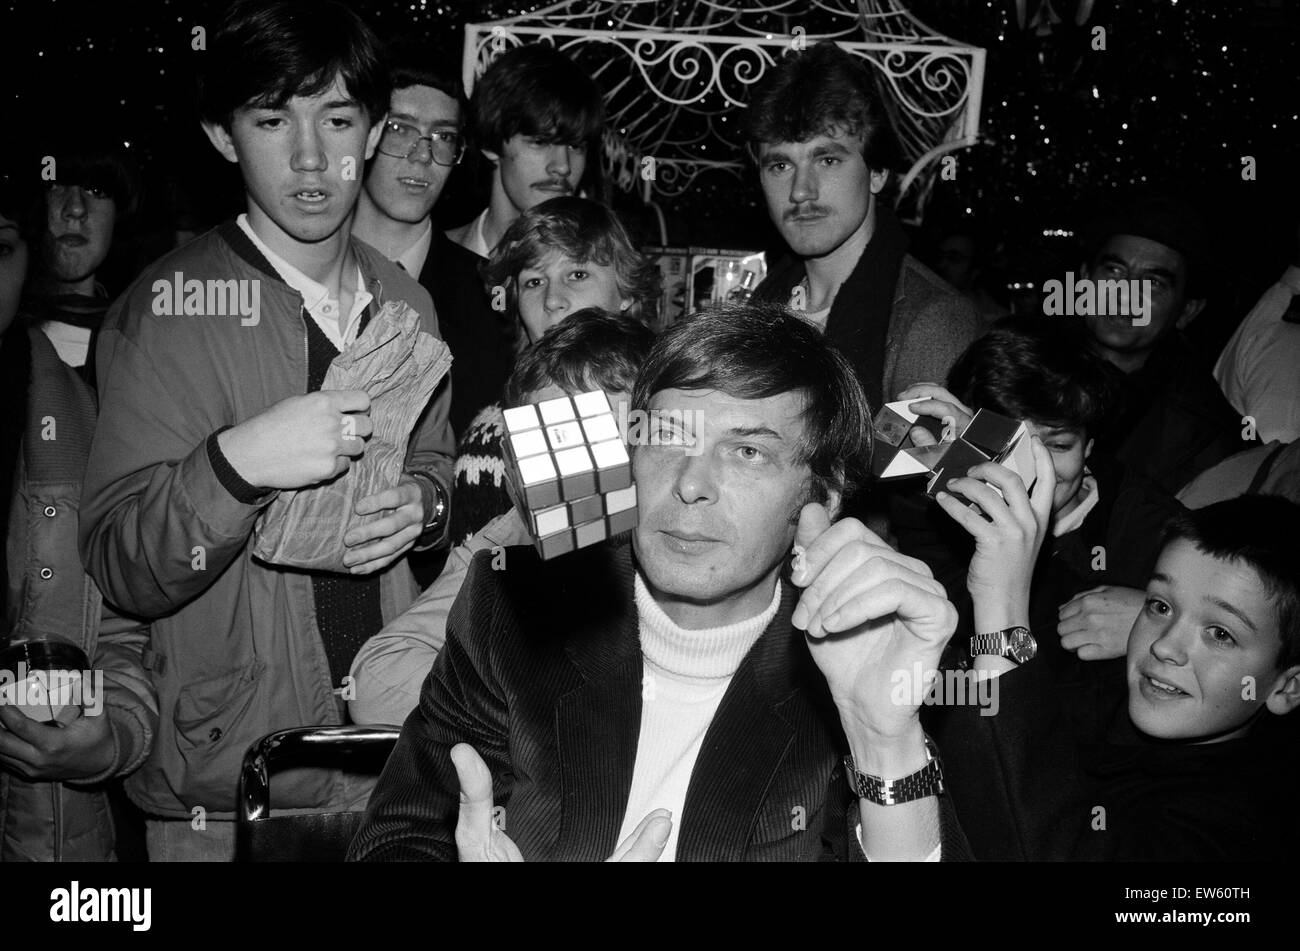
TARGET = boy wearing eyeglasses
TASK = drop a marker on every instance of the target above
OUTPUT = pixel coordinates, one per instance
(421, 142)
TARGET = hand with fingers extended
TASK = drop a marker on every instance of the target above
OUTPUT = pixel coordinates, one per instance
(479, 839)
(1095, 624)
(299, 441)
(931, 399)
(868, 611)
(1008, 525)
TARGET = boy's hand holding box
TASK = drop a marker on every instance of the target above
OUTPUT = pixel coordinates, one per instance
(571, 470)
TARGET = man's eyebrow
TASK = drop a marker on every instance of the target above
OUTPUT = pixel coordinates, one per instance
(774, 155)
(831, 147)
(1235, 612)
(1111, 258)
(750, 431)
(1162, 272)
(342, 104)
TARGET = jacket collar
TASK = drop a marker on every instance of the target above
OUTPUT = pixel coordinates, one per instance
(598, 726)
(367, 259)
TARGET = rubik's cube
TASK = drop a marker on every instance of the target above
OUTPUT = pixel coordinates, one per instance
(570, 466)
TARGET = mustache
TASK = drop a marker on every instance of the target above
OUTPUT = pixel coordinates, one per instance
(803, 211)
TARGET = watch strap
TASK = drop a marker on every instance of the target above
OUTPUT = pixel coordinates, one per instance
(926, 781)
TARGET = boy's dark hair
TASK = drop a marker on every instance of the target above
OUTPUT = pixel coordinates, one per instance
(1259, 531)
(1025, 369)
(583, 230)
(536, 90)
(412, 63)
(821, 90)
(590, 349)
(263, 54)
(755, 350)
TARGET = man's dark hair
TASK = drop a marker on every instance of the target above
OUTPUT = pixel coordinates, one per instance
(1259, 531)
(580, 229)
(100, 167)
(412, 63)
(591, 349)
(538, 91)
(820, 91)
(263, 54)
(1165, 219)
(1026, 370)
(757, 350)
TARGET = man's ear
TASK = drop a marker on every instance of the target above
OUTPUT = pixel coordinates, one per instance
(493, 157)
(373, 136)
(834, 499)
(1191, 310)
(221, 140)
(1087, 450)
(1285, 695)
(878, 180)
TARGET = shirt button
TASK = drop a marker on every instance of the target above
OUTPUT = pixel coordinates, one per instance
(47, 573)
(50, 511)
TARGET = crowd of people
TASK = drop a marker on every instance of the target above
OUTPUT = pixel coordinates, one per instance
(733, 679)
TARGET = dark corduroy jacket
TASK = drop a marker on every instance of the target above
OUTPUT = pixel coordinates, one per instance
(541, 674)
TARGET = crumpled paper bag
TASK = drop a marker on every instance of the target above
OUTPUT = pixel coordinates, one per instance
(398, 365)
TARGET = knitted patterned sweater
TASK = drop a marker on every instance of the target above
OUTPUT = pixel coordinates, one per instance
(480, 488)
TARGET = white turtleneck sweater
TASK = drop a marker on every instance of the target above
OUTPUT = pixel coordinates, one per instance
(684, 675)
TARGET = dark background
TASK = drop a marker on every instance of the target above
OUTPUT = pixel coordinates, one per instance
(1184, 89)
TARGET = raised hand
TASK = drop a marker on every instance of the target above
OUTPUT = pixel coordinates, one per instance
(300, 441)
(1008, 526)
(868, 612)
(478, 838)
(931, 399)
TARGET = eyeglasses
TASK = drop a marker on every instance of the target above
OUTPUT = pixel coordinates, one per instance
(403, 141)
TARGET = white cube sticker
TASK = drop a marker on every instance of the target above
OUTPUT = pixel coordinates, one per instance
(620, 500)
(572, 461)
(600, 428)
(536, 469)
(564, 435)
(528, 444)
(591, 404)
(610, 454)
(519, 418)
(552, 520)
(558, 410)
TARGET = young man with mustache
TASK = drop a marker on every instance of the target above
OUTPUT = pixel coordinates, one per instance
(824, 151)
(537, 118)
(204, 419)
(661, 699)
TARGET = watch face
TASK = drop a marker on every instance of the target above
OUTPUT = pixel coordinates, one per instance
(1022, 646)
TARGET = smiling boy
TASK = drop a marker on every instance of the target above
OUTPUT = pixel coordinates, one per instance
(204, 419)
(1185, 769)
